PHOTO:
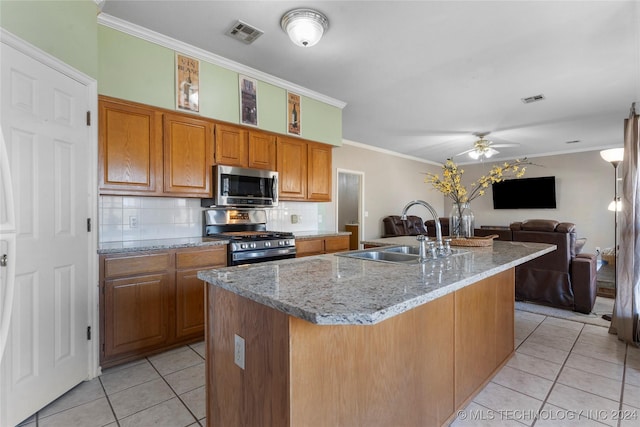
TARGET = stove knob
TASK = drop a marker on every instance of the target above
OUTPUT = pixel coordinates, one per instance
(281, 243)
(287, 243)
(267, 244)
(252, 245)
(243, 246)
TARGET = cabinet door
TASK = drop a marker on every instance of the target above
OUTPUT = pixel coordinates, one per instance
(319, 172)
(292, 168)
(190, 290)
(189, 303)
(136, 315)
(188, 156)
(336, 244)
(308, 247)
(231, 146)
(262, 151)
(129, 148)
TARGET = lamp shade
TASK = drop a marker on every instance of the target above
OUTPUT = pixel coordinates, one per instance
(615, 206)
(613, 155)
(305, 27)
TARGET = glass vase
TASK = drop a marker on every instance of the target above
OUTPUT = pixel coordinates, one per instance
(461, 221)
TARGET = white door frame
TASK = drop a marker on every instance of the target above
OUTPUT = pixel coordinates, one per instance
(361, 211)
(92, 95)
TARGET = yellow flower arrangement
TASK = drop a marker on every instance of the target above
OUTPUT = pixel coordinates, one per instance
(450, 184)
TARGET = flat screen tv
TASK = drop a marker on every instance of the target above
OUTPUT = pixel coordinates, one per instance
(525, 193)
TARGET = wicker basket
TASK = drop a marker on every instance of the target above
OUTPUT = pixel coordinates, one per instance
(474, 241)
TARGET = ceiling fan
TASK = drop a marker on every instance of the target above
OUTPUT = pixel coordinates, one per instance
(484, 148)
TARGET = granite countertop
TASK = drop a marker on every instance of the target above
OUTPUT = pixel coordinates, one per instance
(157, 244)
(301, 235)
(186, 242)
(335, 290)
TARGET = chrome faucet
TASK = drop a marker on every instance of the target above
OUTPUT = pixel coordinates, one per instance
(436, 220)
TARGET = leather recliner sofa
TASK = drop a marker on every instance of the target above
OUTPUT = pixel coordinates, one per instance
(394, 226)
(431, 226)
(562, 278)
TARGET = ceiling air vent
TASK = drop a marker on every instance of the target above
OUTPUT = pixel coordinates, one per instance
(575, 141)
(534, 98)
(244, 32)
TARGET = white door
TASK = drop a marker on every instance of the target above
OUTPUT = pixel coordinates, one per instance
(48, 144)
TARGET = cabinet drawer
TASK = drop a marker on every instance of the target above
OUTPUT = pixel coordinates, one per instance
(213, 257)
(309, 247)
(336, 244)
(137, 264)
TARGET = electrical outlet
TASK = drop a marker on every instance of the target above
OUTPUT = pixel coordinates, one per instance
(294, 219)
(238, 353)
(133, 221)
(319, 219)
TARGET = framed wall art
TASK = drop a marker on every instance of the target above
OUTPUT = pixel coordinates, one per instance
(248, 101)
(293, 114)
(187, 83)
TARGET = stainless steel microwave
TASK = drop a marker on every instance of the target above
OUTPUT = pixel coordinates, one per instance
(241, 187)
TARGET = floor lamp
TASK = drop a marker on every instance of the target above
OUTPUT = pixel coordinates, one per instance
(614, 156)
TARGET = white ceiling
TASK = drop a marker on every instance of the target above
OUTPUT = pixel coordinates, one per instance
(421, 77)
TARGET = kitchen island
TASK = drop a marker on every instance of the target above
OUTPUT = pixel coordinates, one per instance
(331, 340)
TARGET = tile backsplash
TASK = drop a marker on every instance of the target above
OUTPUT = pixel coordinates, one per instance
(124, 218)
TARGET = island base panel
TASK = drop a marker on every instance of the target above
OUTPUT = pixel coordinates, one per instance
(257, 395)
(397, 372)
(415, 368)
(484, 332)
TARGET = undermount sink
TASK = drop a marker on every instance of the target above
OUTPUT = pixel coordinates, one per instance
(395, 254)
(415, 250)
(383, 256)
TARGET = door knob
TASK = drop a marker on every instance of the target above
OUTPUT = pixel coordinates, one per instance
(3, 260)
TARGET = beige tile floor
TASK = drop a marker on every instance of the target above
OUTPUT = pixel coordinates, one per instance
(162, 390)
(563, 373)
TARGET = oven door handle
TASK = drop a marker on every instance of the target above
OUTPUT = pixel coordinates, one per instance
(262, 253)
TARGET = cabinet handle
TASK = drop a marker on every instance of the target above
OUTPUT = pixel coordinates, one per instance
(3, 260)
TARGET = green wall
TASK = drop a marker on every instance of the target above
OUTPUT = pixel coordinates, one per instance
(64, 29)
(131, 68)
(137, 70)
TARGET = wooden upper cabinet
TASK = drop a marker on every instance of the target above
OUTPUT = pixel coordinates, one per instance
(129, 148)
(262, 151)
(188, 156)
(292, 168)
(232, 146)
(319, 172)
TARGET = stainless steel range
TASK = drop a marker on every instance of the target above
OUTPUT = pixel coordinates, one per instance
(246, 229)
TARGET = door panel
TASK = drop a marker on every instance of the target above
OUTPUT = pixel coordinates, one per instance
(48, 147)
(138, 313)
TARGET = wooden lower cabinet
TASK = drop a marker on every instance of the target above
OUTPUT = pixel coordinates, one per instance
(152, 301)
(336, 244)
(321, 245)
(136, 316)
(190, 289)
(413, 369)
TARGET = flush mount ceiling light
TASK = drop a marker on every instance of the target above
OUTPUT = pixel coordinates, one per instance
(304, 26)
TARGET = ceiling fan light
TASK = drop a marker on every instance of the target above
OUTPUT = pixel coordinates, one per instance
(475, 155)
(305, 27)
(490, 152)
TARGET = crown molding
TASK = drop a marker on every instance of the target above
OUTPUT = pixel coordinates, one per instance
(176, 45)
(389, 152)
